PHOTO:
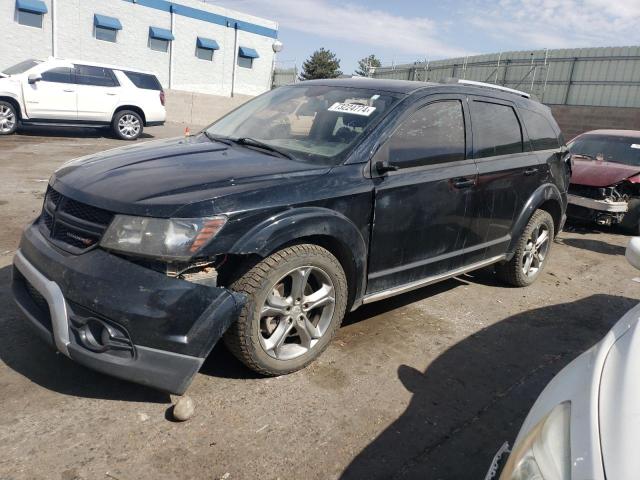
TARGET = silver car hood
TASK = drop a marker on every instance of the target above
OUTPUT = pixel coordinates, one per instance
(620, 404)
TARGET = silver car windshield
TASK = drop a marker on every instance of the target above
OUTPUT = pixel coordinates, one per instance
(21, 67)
(316, 123)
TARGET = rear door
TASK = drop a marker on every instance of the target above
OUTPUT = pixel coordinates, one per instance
(54, 97)
(98, 93)
(420, 216)
(508, 174)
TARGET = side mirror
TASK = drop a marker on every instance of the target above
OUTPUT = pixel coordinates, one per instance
(383, 166)
(34, 77)
(633, 252)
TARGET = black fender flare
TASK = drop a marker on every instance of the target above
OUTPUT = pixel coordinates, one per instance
(290, 225)
(544, 193)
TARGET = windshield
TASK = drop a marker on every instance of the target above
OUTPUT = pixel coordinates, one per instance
(611, 148)
(319, 124)
(21, 67)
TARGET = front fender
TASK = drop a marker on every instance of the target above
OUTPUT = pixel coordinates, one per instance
(544, 193)
(291, 225)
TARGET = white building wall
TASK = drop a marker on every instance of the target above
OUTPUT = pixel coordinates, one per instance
(19, 42)
(76, 40)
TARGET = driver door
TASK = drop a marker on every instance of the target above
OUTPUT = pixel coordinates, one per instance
(54, 97)
(422, 206)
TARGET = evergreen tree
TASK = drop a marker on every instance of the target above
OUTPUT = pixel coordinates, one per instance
(321, 64)
(367, 62)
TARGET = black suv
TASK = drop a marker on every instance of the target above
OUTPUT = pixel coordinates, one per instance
(269, 225)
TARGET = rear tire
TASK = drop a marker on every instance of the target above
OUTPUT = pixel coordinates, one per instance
(127, 125)
(296, 299)
(532, 252)
(8, 118)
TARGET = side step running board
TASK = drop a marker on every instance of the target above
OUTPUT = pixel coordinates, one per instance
(407, 287)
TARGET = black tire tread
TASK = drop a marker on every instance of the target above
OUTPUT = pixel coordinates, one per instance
(237, 337)
(510, 272)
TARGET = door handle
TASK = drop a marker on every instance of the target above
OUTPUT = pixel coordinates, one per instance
(530, 171)
(463, 182)
(68, 91)
(109, 93)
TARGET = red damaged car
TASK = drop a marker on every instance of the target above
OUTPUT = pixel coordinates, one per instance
(605, 183)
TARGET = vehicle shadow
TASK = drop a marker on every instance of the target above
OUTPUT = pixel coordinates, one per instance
(597, 246)
(69, 132)
(476, 394)
(26, 354)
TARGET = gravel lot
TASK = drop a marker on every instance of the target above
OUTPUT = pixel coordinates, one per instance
(425, 385)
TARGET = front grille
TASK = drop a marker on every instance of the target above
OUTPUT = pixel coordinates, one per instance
(72, 225)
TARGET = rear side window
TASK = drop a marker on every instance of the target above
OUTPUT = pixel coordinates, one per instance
(95, 76)
(433, 134)
(143, 80)
(58, 75)
(496, 130)
(541, 134)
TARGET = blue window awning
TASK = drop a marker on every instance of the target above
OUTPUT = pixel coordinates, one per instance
(247, 52)
(161, 33)
(107, 22)
(33, 6)
(207, 43)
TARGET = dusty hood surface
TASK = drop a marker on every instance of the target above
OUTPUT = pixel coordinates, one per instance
(594, 173)
(157, 178)
(620, 407)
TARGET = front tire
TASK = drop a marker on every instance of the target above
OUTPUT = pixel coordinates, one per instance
(296, 299)
(127, 125)
(8, 118)
(532, 252)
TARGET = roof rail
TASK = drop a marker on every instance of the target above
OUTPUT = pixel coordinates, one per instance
(495, 87)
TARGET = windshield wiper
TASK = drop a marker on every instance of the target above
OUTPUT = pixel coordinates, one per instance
(265, 146)
(213, 138)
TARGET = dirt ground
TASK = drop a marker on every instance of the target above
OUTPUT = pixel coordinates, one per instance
(425, 385)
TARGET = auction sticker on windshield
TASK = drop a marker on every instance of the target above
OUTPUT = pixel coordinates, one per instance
(352, 108)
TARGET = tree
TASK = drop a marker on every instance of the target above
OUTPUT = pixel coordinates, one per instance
(321, 64)
(366, 63)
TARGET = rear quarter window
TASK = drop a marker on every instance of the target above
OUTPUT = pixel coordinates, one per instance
(542, 135)
(144, 81)
(496, 129)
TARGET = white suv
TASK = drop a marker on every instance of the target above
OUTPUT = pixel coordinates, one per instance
(80, 94)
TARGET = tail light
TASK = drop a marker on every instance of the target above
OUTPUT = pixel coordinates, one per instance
(162, 97)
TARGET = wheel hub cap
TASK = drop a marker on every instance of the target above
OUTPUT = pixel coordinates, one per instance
(296, 313)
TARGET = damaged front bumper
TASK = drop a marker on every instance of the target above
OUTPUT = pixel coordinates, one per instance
(117, 317)
(604, 205)
(603, 211)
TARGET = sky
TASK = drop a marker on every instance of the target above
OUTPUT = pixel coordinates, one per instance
(404, 31)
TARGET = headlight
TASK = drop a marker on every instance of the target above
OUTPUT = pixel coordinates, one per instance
(545, 453)
(171, 239)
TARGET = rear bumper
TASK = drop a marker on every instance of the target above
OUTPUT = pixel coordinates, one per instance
(117, 317)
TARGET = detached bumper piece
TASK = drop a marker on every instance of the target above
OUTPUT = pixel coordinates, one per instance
(117, 317)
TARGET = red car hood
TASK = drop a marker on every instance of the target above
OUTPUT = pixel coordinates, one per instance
(601, 174)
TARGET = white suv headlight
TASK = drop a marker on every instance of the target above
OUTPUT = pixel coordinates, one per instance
(164, 238)
(545, 453)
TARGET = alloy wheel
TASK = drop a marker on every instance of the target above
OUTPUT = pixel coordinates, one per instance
(296, 313)
(7, 119)
(536, 250)
(129, 126)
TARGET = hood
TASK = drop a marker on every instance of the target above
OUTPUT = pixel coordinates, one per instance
(620, 406)
(157, 178)
(595, 173)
